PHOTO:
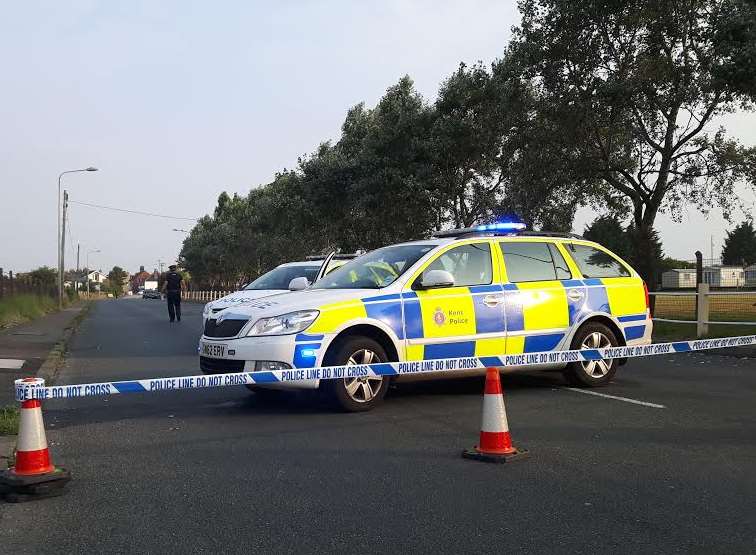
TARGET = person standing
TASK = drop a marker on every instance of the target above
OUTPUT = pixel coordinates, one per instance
(172, 287)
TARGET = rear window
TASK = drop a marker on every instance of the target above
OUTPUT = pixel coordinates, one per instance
(532, 261)
(595, 263)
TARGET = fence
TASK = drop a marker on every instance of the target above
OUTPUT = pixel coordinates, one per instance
(11, 285)
(204, 296)
(704, 307)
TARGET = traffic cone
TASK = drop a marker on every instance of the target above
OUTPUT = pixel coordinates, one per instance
(495, 442)
(34, 476)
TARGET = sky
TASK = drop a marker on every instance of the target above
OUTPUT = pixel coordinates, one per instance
(177, 101)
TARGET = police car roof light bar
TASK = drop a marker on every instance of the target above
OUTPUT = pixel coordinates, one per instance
(471, 231)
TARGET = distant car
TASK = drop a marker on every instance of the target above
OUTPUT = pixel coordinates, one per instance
(151, 294)
(292, 276)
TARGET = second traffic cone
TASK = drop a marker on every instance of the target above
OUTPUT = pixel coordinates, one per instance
(495, 442)
(34, 474)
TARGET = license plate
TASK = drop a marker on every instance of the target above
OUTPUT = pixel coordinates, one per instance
(213, 350)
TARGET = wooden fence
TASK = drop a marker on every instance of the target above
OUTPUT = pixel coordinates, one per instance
(11, 285)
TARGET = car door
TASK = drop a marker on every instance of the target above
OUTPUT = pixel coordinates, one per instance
(611, 288)
(542, 299)
(466, 319)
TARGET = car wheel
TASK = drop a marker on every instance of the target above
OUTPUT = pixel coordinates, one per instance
(592, 373)
(357, 394)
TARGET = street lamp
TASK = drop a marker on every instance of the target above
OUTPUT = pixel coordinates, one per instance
(60, 237)
(180, 230)
(88, 268)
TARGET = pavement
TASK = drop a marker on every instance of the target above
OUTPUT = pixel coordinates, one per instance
(24, 348)
(224, 470)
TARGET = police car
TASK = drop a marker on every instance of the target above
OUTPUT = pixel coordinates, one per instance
(282, 278)
(488, 290)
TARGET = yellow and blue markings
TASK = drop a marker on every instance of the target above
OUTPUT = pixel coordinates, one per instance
(387, 309)
(534, 317)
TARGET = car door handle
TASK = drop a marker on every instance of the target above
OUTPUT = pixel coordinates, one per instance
(493, 300)
(575, 294)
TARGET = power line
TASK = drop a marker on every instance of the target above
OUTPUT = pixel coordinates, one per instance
(140, 212)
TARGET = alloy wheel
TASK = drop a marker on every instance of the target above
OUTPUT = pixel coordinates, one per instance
(363, 389)
(596, 368)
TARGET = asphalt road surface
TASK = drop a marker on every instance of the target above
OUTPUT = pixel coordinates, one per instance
(221, 470)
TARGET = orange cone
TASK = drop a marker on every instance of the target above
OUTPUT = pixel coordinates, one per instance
(34, 474)
(495, 442)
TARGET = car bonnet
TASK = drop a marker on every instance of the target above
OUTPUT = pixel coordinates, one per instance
(309, 299)
(243, 296)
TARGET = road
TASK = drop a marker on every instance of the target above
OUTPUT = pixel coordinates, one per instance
(221, 470)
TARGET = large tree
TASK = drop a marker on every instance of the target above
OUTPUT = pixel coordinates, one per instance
(116, 280)
(736, 45)
(634, 84)
(608, 231)
(740, 245)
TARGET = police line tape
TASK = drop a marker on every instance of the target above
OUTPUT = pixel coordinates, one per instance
(37, 390)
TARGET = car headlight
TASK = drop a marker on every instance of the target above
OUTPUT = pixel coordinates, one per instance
(293, 322)
(206, 310)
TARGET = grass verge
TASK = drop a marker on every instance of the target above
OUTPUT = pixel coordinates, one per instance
(22, 308)
(668, 331)
(8, 421)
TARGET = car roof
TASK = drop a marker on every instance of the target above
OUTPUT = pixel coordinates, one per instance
(438, 241)
(301, 263)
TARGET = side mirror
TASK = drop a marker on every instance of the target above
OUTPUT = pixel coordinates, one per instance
(299, 283)
(437, 278)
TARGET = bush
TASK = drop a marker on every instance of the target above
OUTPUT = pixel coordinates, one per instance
(22, 308)
(8, 422)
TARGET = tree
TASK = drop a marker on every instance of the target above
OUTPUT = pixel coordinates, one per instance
(392, 196)
(646, 254)
(736, 45)
(633, 84)
(466, 135)
(44, 277)
(740, 245)
(116, 280)
(608, 231)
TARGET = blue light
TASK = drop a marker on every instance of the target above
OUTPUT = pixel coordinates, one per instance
(502, 226)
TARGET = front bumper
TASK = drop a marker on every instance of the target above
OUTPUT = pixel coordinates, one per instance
(298, 351)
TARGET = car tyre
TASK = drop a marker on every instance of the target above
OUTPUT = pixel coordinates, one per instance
(356, 394)
(595, 373)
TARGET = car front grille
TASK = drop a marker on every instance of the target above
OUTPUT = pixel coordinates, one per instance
(227, 328)
(220, 365)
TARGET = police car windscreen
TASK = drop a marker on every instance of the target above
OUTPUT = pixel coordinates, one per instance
(374, 270)
(279, 278)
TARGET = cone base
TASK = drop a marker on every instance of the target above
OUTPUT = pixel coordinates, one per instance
(476, 455)
(17, 488)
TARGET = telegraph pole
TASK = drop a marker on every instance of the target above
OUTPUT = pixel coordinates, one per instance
(63, 242)
(78, 253)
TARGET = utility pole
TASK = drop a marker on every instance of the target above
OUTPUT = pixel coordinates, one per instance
(59, 238)
(711, 251)
(78, 253)
(63, 241)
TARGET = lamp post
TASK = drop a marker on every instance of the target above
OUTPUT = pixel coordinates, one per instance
(60, 237)
(88, 268)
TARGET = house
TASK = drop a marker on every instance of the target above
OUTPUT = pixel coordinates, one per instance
(724, 276)
(136, 282)
(96, 276)
(750, 275)
(679, 278)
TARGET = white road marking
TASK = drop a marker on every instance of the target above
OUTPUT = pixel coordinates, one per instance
(616, 398)
(11, 363)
